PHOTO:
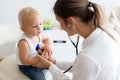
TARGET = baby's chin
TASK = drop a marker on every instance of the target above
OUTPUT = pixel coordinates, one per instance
(40, 32)
(38, 35)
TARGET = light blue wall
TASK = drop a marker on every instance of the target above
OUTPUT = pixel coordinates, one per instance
(9, 9)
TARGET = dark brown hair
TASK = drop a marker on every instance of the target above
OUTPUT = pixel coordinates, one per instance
(86, 11)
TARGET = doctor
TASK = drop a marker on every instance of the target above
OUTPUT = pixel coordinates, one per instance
(98, 58)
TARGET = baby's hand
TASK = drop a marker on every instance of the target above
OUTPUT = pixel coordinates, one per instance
(45, 55)
(46, 50)
(41, 50)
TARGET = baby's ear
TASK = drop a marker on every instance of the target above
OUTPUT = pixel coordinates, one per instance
(22, 28)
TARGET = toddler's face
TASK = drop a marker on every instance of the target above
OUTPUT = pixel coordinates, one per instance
(33, 26)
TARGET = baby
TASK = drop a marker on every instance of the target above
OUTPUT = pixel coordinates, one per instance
(27, 48)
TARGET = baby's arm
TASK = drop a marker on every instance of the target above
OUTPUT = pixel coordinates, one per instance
(47, 45)
(23, 54)
(46, 41)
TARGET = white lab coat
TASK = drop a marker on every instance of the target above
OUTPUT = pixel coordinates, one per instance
(98, 60)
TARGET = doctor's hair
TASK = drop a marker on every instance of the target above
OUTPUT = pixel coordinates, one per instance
(85, 11)
(25, 13)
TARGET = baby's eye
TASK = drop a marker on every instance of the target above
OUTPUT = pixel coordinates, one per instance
(34, 26)
(40, 24)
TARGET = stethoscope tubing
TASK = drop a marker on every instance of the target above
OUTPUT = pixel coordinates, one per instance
(76, 47)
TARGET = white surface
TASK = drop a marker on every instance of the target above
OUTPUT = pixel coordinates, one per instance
(10, 8)
(9, 70)
(44, 6)
(9, 33)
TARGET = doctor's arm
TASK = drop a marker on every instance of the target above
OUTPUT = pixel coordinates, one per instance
(55, 71)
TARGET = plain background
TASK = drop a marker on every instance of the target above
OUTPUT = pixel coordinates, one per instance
(9, 8)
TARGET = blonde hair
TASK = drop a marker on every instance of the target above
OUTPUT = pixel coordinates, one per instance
(25, 13)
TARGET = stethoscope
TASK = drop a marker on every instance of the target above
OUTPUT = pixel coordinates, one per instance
(76, 47)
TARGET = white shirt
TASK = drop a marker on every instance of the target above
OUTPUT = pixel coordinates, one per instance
(32, 47)
(98, 60)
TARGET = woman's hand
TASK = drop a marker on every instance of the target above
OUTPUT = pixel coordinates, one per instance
(43, 63)
(51, 59)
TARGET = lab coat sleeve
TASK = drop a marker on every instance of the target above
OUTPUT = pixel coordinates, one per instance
(83, 69)
(64, 65)
(57, 74)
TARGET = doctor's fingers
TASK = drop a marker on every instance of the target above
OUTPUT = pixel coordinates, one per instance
(43, 63)
(39, 64)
